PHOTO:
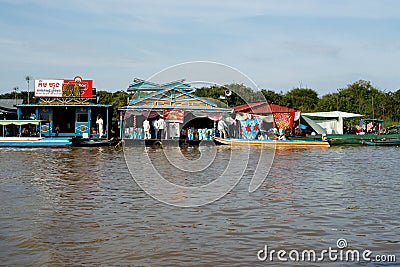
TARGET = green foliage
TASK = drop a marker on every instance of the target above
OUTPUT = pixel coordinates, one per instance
(273, 97)
(239, 94)
(361, 97)
(19, 95)
(302, 98)
(117, 100)
(327, 102)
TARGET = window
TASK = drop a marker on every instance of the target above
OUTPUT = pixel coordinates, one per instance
(83, 117)
(45, 117)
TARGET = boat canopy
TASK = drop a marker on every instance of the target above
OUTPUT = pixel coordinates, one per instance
(328, 122)
(20, 122)
(333, 114)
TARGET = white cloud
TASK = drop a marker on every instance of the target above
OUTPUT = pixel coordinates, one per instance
(277, 43)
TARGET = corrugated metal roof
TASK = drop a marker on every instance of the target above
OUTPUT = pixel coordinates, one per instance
(8, 105)
(263, 108)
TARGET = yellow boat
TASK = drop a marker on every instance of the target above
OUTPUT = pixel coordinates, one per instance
(273, 143)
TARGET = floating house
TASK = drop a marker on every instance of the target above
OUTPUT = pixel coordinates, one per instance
(186, 116)
(67, 108)
(8, 109)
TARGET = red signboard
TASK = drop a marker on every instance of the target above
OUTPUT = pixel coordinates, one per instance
(64, 88)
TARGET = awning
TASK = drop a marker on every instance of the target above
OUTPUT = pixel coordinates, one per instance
(19, 122)
(332, 114)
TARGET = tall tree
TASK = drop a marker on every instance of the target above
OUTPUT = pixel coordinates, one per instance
(273, 97)
(238, 94)
(302, 98)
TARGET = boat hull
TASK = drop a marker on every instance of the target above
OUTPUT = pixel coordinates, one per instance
(272, 143)
(97, 142)
(380, 142)
(35, 142)
(166, 142)
(347, 139)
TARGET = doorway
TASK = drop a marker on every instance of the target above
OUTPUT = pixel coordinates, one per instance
(64, 118)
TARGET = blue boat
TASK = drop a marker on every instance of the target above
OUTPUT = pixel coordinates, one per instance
(25, 133)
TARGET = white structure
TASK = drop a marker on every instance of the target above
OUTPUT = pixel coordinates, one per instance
(328, 122)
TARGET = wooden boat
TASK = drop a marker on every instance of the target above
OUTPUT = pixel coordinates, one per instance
(382, 142)
(94, 142)
(346, 139)
(273, 143)
(158, 143)
(30, 141)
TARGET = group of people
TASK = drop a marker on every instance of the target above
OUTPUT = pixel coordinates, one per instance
(158, 127)
(365, 128)
(272, 134)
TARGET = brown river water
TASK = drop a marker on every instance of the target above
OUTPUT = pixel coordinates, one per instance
(81, 206)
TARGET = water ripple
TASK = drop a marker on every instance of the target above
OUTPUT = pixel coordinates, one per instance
(82, 207)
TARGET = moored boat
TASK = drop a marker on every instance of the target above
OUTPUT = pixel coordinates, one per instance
(28, 141)
(48, 142)
(382, 142)
(272, 143)
(94, 142)
(347, 139)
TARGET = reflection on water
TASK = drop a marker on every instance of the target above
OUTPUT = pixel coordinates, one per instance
(81, 206)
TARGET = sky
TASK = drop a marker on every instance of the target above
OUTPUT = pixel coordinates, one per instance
(278, 44)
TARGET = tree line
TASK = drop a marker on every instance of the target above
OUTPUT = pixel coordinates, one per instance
(359, 97)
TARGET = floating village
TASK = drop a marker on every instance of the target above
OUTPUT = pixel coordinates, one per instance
(67, 112)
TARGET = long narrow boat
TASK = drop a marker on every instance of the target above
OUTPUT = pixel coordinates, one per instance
(30, 141)
(94, 142)
(49, 142)
(347, 139)
(274, 143)
(382, 142)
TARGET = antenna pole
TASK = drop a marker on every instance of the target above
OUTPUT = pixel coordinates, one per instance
(28, 78)
(15, 93)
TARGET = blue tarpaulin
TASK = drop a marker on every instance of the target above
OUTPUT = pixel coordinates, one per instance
(302, 126)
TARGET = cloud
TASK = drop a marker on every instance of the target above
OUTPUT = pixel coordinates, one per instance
(277, 43)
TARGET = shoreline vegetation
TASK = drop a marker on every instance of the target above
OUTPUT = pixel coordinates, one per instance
(359, 97)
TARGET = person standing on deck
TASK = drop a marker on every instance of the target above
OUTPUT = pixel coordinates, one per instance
(161, 127)
(146, 129)
(155, 126)
(99, 123)
(222, 129)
